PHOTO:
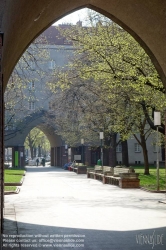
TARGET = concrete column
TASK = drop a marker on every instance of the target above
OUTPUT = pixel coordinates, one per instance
(64, 158)
(21, 150)
(55, 156)
(56, 159)
(52, 156)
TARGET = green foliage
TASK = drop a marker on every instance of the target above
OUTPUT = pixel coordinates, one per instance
(36, 138)
(106, 84)
(29, 70)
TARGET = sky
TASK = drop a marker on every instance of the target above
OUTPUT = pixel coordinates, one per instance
(74, 17)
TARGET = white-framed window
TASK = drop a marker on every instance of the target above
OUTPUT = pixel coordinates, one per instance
(137, 148)
(51, 64)
(119, 148)
(31, 105)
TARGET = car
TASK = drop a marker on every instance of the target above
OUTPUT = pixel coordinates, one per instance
(48, 158)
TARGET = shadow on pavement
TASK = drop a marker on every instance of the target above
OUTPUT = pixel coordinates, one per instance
(63, 238)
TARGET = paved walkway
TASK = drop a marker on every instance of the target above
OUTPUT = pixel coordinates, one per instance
(57, 209)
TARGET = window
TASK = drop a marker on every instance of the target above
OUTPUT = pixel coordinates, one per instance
(51, 106)
(137, 148)
(119, 148)
(31, 85)
(51, 65)
(32, 65)
(31, 105)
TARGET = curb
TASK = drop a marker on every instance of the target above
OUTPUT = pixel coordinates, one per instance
(152, 191)
(12, 192)
(14, 183)
(21, 174)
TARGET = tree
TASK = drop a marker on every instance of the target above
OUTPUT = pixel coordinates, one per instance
(36, 139)
(20, 88)
(108, 56)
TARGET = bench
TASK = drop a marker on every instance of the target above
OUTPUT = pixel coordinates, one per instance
(129, 180)
(105, 170)
(120, 176)
(91, 173)
(114, 177)
(118, 170)
(98, 172)
(80, 169)
(74, 166)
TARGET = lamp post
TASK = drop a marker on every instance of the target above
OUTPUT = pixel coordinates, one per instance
(82, 143)
(157, 123)
(101, 140)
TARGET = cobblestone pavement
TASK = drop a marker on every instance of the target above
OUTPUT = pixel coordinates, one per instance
(57, 209)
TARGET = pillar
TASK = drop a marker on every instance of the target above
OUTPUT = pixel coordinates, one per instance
(1, 138)
(18, 156)
(52, 156)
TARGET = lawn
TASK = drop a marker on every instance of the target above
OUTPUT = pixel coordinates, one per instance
(10, 188)
(13, 175)
(150, 181)
(14, 171)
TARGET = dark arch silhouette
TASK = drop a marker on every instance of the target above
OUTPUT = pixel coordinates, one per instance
(144, 20)
(37, 119)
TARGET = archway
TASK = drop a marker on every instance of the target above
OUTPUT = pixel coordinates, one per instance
(17, 139)
(145, 21)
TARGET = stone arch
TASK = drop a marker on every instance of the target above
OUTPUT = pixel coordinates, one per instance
(21, 21)
(16, 139)
(30, 122)
(144, 20)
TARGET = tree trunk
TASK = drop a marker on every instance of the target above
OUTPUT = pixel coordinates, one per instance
(35, 151)
(39, 151)
(113, 159)
(145, 154)
(31, 149)
(106, 151)
(125, 156)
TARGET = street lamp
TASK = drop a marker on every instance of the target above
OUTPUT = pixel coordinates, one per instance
(101, 140)
(157, 123)
(82, 142)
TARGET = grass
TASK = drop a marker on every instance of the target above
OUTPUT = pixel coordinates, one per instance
(10, 188)
(150, 181)
(14, 171)
(13, 176)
